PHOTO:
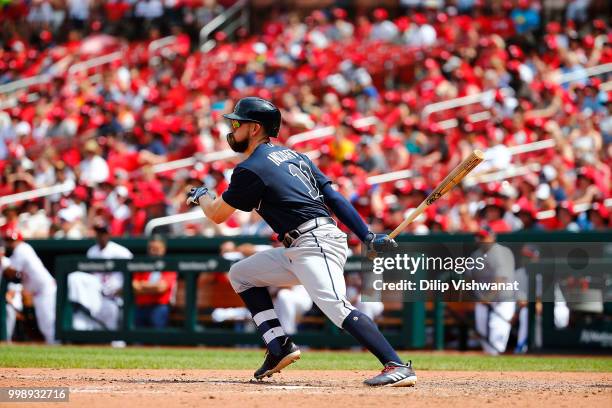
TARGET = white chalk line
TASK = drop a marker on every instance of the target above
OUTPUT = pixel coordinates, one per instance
(294, 387)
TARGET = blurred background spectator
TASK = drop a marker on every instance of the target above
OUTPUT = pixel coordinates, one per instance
(102, 133)
(153, 291)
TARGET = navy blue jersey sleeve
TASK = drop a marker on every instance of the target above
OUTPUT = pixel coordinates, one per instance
(319, 177)
(345, 212)
(245, 190)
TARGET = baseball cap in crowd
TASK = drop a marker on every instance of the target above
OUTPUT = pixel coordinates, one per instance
(525, 207)
(587, 172)
(339, 13)
(80, 192)
(380, 14)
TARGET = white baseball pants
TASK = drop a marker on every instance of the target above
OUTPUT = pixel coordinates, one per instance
(316, 260)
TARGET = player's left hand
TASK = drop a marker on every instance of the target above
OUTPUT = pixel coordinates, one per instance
(379, 243)
(193, 196)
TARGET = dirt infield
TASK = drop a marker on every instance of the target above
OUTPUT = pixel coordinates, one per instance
(94, 388)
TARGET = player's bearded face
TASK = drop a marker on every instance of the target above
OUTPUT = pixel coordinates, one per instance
(239, 147)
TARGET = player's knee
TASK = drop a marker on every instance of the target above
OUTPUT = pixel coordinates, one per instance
(337, 311)
(236, 278)
(233, 277)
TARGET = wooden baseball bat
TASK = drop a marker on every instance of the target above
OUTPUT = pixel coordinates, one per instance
(450, 181)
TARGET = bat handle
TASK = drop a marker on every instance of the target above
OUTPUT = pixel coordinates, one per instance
(417, 211)
(397, 230)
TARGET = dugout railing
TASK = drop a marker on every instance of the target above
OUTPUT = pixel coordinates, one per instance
(411, 325)
(191, 332)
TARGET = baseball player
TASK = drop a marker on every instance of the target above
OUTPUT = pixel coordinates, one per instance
(493, 318)
(294, 197)
(35, 278)
(104, 248)
(96, 295)
(14, 301)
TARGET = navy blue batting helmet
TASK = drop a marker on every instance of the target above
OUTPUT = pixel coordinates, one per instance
(253, 109)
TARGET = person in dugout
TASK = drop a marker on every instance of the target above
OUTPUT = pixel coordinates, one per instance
(153, 291)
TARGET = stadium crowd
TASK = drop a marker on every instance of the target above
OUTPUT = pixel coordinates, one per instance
(103, 132)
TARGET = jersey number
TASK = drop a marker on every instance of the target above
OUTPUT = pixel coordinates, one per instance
(305, 175)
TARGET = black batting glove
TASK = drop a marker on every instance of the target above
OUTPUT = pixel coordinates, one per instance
(193, 196)
(376, 243)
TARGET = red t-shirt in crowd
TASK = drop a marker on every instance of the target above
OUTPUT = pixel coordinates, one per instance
(162, 298)
(116, 11)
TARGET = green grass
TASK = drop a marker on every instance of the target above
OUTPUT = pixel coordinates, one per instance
(205, 358)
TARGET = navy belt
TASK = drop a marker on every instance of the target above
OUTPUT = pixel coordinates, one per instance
(304, 228)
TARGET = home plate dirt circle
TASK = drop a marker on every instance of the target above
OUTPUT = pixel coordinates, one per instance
(106, 388)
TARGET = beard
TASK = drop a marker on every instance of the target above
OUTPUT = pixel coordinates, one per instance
(238, 147)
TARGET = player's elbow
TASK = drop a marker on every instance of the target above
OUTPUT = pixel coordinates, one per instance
(217, 218)
(214, 218)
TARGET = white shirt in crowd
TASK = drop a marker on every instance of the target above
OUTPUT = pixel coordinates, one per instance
(34, 276)
(94, 170)
(423, 3)
(34, 225)
(7, 134)
(41, 13)
(420, 36)
(79, 9)
(385, 31)
(73, 211)
(116, 203)
(149, 9)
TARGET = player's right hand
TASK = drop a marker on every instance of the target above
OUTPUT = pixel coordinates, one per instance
(379, 243)
(193, 196)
